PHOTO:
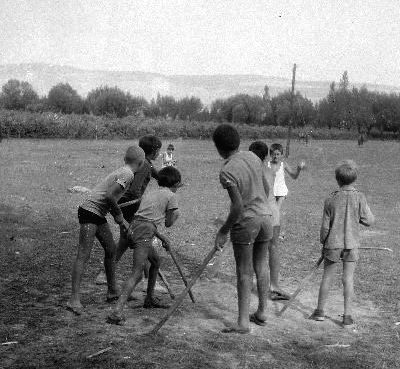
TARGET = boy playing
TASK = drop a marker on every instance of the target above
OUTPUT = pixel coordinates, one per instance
(93, 223)
(344, 210)
(156, 207)
(168, 159)
(151, 146)
(261, 150)
(249, 223)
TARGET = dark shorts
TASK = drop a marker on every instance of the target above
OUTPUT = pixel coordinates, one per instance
(129, 212)
(86, 216)
(252, 230)
(141, 234)
(337, 255)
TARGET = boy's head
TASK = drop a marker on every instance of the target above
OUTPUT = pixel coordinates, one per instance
(151, 146)
(170, 148)
(260, 149)
(169, 177)
(226, 139)
(346, 172)
(276, 152)
(134, 157)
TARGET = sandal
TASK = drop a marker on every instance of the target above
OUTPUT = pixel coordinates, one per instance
(255, 320)
(279, 296)
(236, 329)
(115, 318)
(154, 303)
(77, 310)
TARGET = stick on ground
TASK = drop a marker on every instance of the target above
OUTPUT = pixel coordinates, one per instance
(301, 286)
(99, 352)
(164, 280)
(181, 297)
(181, 273)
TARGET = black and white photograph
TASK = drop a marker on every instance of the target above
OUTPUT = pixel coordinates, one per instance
(200, 184)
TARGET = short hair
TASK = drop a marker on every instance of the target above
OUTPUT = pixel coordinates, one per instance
(260, 149)
(150, 144)
(226, 138)
(346, 172)
(134, 154)
(169, 177)
(171, 147)
(274, 147)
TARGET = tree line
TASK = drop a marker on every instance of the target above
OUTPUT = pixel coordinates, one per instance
(343, 107)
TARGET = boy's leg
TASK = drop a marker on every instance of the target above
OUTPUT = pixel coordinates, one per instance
(140, 255)
(348, 285)
(329, 273)
(279, 203)
(86, 238)
(154, 259)
(243, 257)
(260, 251)
(106, 240)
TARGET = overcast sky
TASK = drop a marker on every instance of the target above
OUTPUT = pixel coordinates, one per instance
(209, 37)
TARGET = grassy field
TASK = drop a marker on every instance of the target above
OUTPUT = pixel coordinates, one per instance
(38, 238)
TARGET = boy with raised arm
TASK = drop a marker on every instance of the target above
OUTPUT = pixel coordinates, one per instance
(344, 211)
(276, 293)
(156, 207)
(93, 224)
(249, 223)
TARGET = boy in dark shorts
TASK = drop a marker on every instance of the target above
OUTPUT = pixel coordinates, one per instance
(261, 150)
(93, 224)
(151, 146)
(344, 210)
(156, 207)
(249, 223)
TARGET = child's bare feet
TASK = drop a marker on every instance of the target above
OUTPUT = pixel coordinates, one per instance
(236, 329)
(258, 320)
(75, 307)
(116, 318)
(154, 303)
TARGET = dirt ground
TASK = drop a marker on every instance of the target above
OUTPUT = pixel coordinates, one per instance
(38, 243)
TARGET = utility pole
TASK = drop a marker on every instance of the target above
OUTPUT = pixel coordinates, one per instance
(291, 113)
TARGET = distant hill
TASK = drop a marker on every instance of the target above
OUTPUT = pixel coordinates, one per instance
(207, 87)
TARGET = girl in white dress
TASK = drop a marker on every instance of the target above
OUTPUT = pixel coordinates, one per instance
(279, 167)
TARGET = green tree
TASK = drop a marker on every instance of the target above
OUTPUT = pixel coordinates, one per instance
(17, 95)
(107, 100)
(64, 99)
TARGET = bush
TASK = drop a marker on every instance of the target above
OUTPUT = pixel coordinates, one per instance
(54, 125)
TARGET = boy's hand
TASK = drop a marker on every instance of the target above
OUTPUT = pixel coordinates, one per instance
(302, 165)
(166, 244)
(220, 240)
(119, 219)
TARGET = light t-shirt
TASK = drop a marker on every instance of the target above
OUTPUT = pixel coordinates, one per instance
(97, 201)
(245, 170)
(155, 203)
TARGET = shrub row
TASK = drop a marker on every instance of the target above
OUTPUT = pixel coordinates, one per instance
(20, 124)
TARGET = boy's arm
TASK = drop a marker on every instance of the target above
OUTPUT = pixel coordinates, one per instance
(325, 226)
(171, 217)
(235, 211)
(112, 194)
(267, 179)
(366, 217)
(172, 212)
(294, 173)
(165, 241)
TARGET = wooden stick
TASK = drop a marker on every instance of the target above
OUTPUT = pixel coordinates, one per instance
(181, 297)
(291, 113)
(376, 248)
(125, 204)
(301, 286)
(181, 273)
(314, 270)
(99, 352)
(164, 280)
